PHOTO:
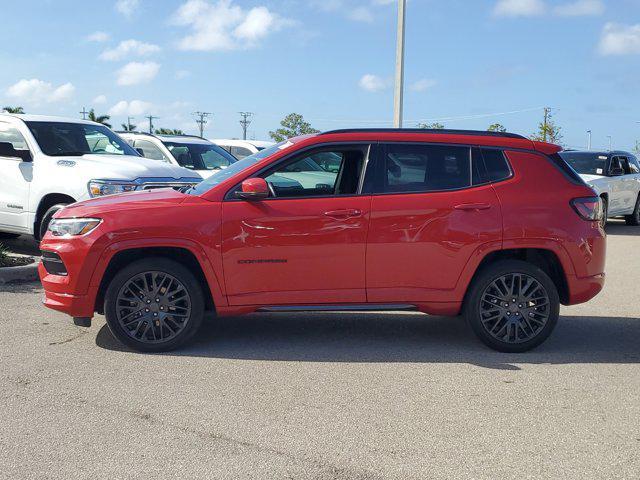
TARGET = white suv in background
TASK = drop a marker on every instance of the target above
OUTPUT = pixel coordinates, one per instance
(242, 148)
(188, 151)
(615, 176)
(47, 163)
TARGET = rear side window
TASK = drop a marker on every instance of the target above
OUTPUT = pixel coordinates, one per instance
(495, 164)
(425, 168)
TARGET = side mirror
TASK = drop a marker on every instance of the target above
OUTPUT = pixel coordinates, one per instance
(616, 172)
(253, 189)
(7, 150)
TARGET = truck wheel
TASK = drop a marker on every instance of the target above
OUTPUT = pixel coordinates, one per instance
(512, 306)
(154, 305)
(605, 212)
(634, 218)
(46, 219)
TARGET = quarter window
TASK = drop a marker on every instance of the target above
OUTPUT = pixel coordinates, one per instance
(10, 134)
(496, 166)
(425, 168)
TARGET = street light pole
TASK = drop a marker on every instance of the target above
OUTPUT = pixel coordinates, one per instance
(399, 85)
(588, 139)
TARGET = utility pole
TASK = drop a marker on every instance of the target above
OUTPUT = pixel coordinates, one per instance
(201, 120)
(399, 84)
(84, 113)
(545, 127)
(129, 123)
(245, 123)
(610, 142)
(151, 118)
(588, 139)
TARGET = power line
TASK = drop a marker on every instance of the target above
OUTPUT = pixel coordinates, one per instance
(201, 120)
(245, 122)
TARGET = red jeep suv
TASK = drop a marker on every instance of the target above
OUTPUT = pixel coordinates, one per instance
(488, 225)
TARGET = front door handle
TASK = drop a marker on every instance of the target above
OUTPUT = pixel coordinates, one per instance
(472, 207)
(343, 214)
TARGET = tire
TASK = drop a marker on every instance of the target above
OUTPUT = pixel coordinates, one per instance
(525, 323)
(150, 325)
(634, 218)
(605, 212)
(8, 236)
(46, 219)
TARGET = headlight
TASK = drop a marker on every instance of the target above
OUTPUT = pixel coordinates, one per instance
(70, 227)
(98, 188)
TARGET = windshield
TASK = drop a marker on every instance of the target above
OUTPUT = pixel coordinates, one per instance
(58, 139)
(238, 166)
(587, 163)
(200, 156)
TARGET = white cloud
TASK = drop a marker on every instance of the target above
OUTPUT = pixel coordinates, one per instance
(224, 26)
(127, 7)
(36, 92)
(373, 83)
(132, 108)
(580, 8)
(361, 14)
(180, 74)
(98, 37)
(422, 84)
(134, 73)
(519, 8)
(99, 100)
(619, 39)
(129, 48)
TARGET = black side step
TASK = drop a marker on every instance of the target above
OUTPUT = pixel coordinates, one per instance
(391, 307)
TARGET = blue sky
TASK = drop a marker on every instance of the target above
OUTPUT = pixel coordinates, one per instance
(469, 63)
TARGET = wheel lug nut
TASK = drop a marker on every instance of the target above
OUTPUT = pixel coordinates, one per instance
(146, 310)
(157, 300)
(155, 314)
(148, 301)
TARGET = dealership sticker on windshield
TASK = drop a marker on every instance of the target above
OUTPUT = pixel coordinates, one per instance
(602, 157)
(599, 171)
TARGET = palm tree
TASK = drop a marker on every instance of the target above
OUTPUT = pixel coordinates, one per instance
(130, 127)
(169, 131)
(13, 109)
(99, 118)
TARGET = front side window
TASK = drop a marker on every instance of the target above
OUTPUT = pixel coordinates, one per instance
(149, 150)
(312, 175)
(634, 165)
(425, 168)
(10, 134)
(200, 156)
(240, 152)
(76, 139)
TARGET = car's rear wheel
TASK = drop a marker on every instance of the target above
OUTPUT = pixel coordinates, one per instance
(154, 305)
(634, 218)
(512, 306)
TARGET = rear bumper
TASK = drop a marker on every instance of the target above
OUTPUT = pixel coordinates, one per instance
(583, 289)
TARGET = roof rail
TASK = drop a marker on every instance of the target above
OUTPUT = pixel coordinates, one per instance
(478, 133)
(160, 134)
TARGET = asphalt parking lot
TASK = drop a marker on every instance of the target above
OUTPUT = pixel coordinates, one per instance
(344, 396)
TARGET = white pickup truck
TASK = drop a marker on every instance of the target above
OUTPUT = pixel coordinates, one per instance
(49, 162)
(615, 176)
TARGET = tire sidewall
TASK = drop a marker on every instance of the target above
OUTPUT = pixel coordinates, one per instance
(485, 278)
(156, 264)
(46, 219)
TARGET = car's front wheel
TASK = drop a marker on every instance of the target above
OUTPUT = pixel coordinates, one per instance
(634, 218)
(154, 305)
(513, 306)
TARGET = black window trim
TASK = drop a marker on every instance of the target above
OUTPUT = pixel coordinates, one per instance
(380, 158)
(230, 195)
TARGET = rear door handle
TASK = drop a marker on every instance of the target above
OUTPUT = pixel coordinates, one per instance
(343, 214)
(471, 207)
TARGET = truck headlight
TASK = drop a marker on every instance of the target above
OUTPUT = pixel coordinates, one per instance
(71, 227)
(99, 188)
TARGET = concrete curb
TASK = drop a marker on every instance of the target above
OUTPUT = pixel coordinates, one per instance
(22, 273)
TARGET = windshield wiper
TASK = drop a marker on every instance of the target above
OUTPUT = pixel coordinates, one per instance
(68, 154)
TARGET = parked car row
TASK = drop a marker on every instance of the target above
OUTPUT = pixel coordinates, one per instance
(492, 226)
(47, 163)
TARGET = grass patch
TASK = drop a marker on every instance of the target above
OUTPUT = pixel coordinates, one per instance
(8, 261)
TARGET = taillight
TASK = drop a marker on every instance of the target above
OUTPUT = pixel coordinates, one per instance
(589, 208)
